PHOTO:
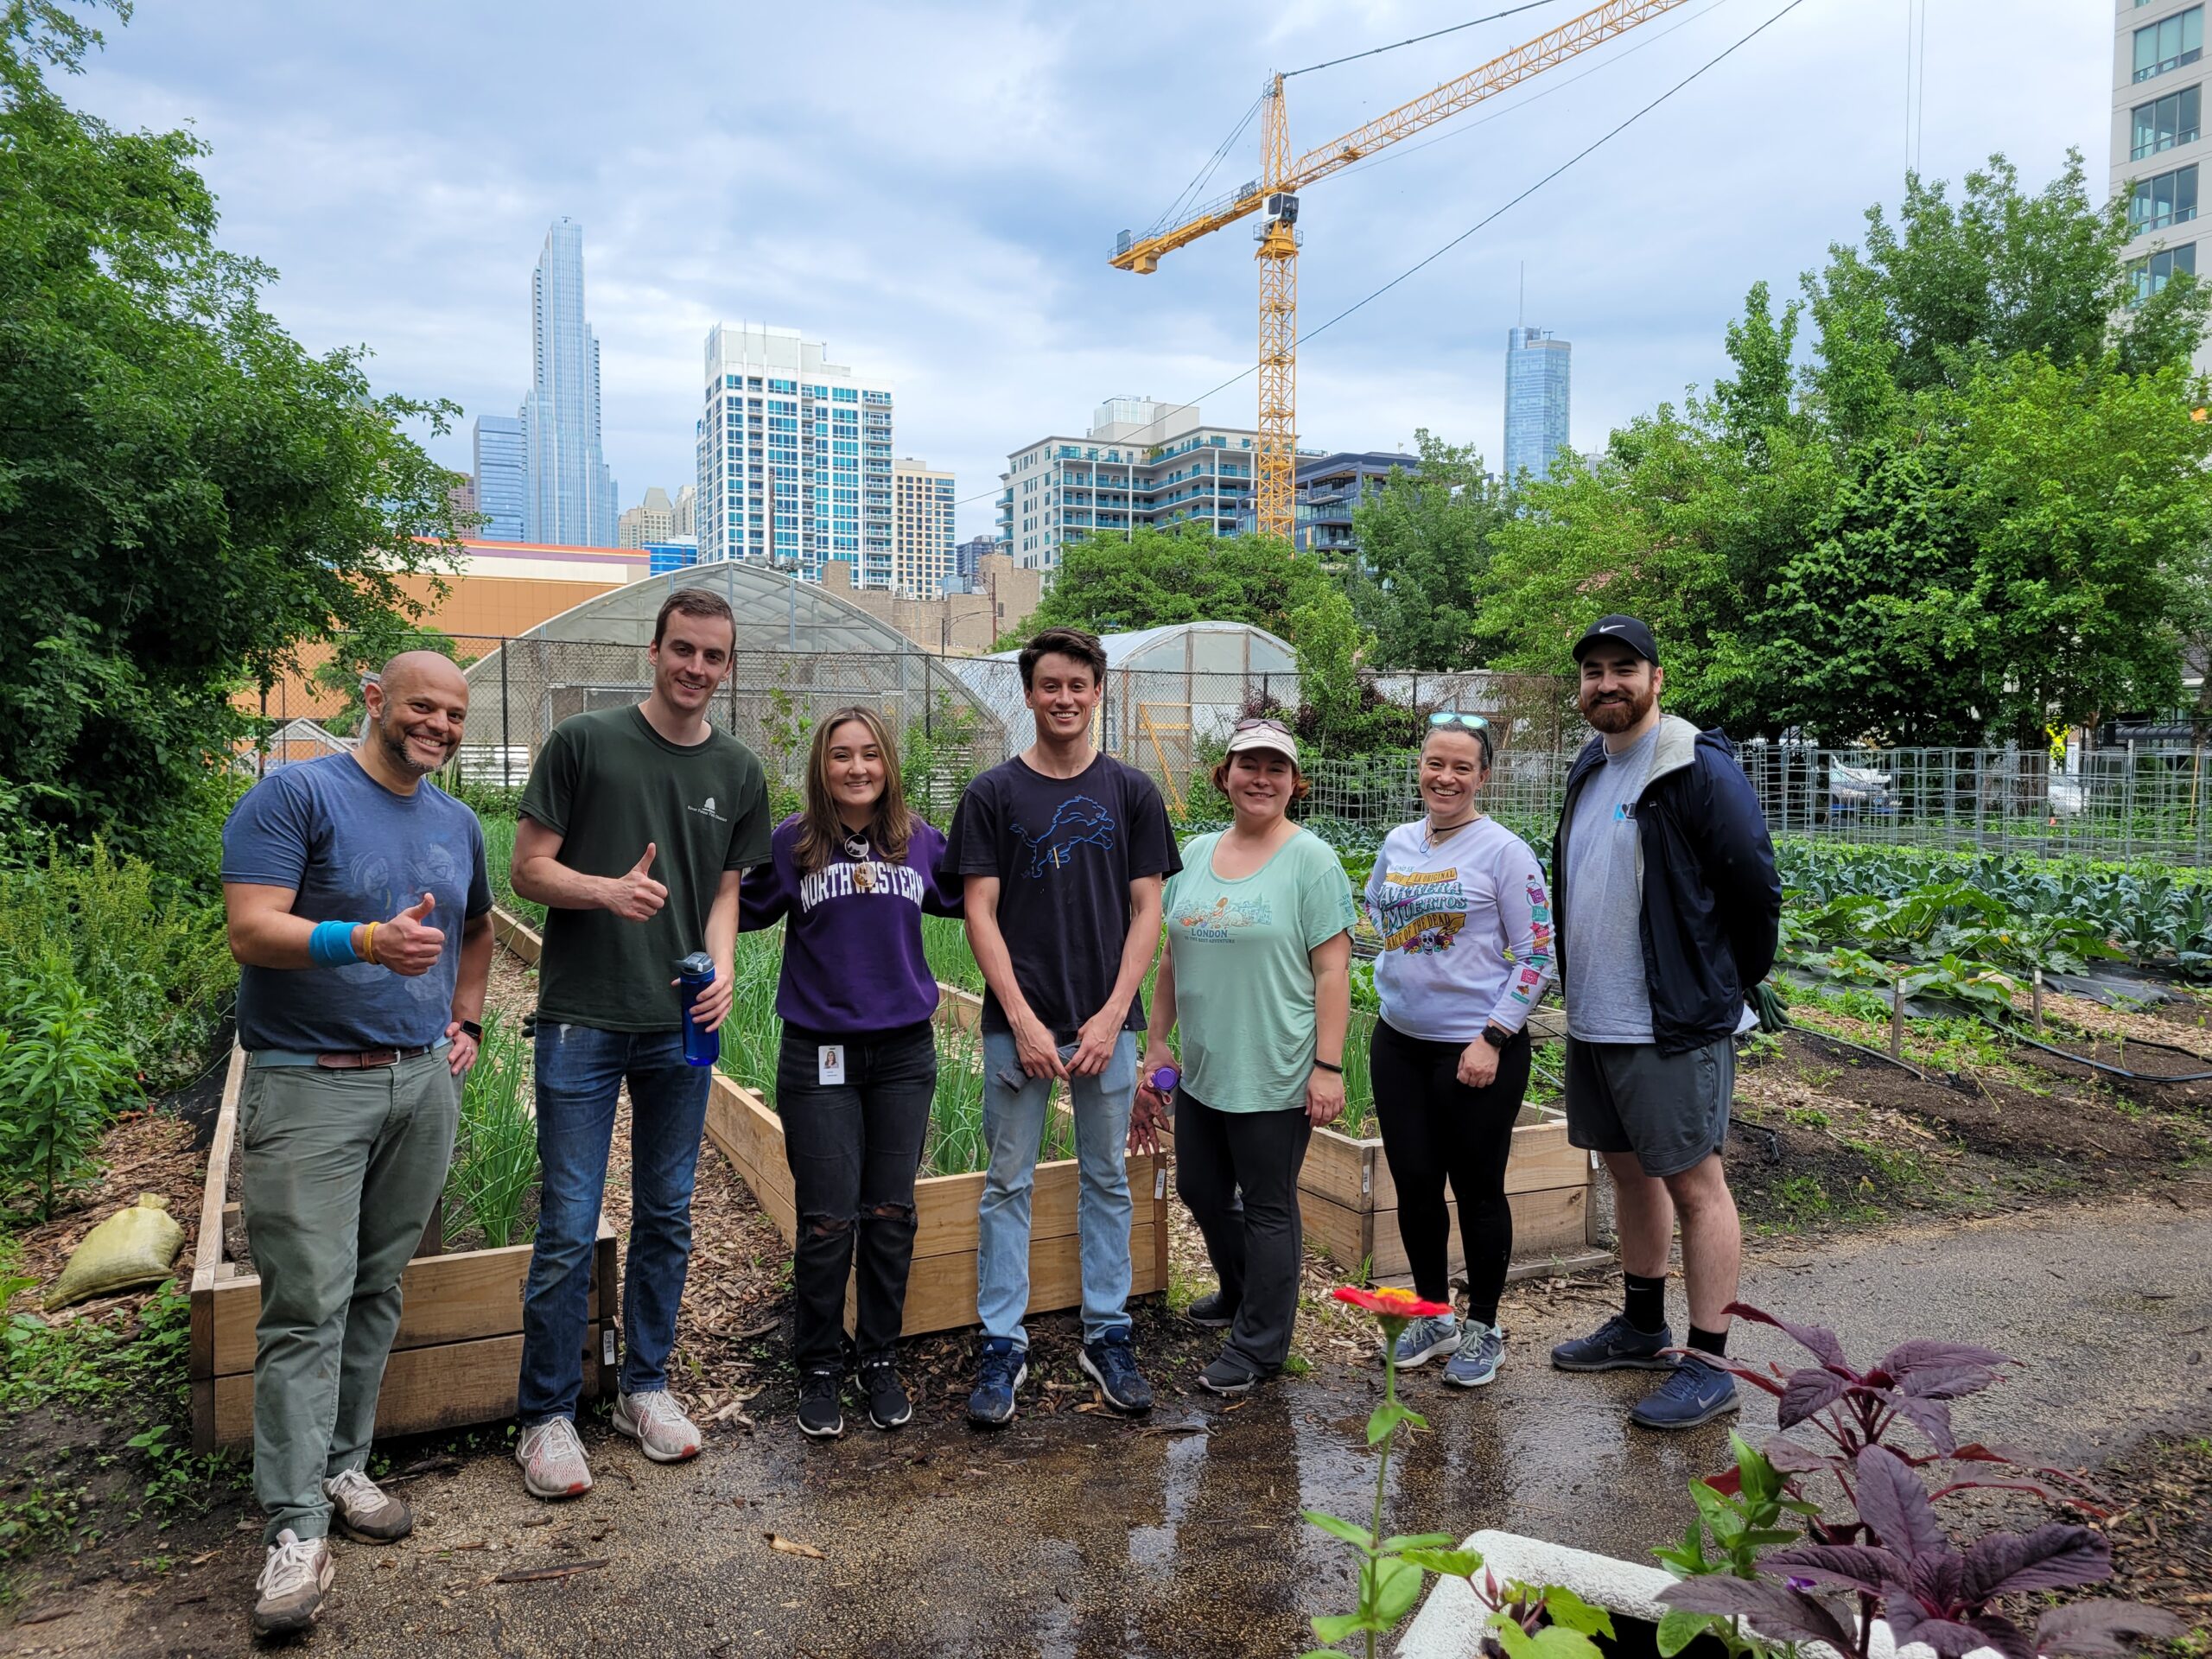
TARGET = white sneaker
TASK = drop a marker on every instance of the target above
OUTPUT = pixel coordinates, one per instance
(288, 1593)
(552, 1460)
(365, 1511)
(657, 1424)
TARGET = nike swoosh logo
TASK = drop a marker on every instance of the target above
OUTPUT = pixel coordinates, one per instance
(1613, 628)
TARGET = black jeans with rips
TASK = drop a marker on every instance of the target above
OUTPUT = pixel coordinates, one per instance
(854, 1148)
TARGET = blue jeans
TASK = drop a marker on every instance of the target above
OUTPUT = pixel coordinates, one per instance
(580, 1071)
(1013, 1124)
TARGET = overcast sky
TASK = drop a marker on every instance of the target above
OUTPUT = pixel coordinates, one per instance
(933, 190)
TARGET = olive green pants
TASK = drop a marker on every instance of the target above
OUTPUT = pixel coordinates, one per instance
(340, 1171)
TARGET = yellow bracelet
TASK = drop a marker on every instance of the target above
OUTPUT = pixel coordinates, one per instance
(369, 943)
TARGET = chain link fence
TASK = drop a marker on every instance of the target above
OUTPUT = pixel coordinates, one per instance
(960, 714)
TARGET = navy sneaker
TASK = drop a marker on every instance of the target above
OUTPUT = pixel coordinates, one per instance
(999, 1372)
(1616, 1345)
(1481, 1352)
(1423, 1339)
(1213, 1312)
(1111, 1363)
(1698, 1392)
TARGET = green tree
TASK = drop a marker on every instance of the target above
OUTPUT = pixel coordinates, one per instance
(1974, 503)
(1112, 584)
(186, 494)
(1425, 541)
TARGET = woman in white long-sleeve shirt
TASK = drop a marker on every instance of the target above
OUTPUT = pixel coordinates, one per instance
(1466, 924)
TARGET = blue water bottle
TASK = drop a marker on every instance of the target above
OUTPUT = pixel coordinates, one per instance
(693, 974)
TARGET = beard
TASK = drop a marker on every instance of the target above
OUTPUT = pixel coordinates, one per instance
(392, 735)
(1619, 711)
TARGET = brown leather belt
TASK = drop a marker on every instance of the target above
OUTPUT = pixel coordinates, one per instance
(364, 1059)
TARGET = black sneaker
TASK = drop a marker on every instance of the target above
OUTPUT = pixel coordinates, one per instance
(1111, 1363)
(1616, 1345)
(1214, 1312)
(820, 1411)
(1000, 1369)
(1228, 1375)
(887, 1405)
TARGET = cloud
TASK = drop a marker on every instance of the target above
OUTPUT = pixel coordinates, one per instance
(933, 191)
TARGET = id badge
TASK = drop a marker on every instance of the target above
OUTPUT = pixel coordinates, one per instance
(829, 1060)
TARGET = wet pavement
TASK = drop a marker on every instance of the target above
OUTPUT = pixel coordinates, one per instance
(1077, 1534)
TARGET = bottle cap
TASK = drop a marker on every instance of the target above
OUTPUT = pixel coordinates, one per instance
(1164, 1079)
(698, 965)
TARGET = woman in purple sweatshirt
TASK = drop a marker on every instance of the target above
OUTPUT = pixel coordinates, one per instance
(852, 875)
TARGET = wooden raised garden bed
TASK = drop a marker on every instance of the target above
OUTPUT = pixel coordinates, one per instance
(941, 1289)
(1349, 1202)
(458, 1354)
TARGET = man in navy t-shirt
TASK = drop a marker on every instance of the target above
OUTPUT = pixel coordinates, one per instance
(1062, 849)
(360, 912)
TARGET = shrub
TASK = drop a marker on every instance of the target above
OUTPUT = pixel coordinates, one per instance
(61, 1074)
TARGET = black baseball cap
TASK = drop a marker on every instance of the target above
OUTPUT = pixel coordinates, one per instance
(1620, 630)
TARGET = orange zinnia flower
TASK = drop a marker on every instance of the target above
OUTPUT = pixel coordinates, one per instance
(1390, 1302)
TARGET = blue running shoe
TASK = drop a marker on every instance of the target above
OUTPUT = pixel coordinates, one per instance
(1616, 1345)
(1422, 1340)
(1698, 1392)
(1481, 1351)
(1111, 1363)
(999, 1372)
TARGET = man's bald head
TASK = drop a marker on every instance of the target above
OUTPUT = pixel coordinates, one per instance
(429, 667)
(416, 705)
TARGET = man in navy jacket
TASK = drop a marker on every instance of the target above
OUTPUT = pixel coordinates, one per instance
(1667, 907)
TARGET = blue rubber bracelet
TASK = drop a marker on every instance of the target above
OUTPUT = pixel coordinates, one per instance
(331, 945)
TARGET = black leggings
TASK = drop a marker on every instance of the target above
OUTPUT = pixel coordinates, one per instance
(1435, 1127)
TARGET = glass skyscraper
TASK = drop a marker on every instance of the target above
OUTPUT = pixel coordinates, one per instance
(569, 497)
(1536, 392)
(502, 477)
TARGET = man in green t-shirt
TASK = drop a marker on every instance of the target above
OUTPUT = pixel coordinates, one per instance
(636, 825)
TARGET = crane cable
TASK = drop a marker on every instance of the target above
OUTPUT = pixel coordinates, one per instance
(1527, 5)
(1190, 191)
(1595, 145)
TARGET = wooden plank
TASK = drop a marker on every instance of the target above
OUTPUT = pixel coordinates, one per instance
(751, 1136)
(1341, 1232)
(963, 1010)
(1545, 1223)
(207, 1248)
(940, 1290)
(511, 931)
(457, 1297)
(452, 1385)
(1341, 1167)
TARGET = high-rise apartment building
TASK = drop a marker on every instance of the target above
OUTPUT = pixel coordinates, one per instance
(1536, 398)
(652, 519)
(687, 501)
(569, 500)
(794, 456)
(921, 528)
(1141, 462)
(502, 477)
(969, 557)
(2158, 140)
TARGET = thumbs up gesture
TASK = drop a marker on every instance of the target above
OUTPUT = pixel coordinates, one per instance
(634, 895)
(408, 944)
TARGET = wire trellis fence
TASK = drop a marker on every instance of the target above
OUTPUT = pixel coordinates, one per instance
(2141, 801)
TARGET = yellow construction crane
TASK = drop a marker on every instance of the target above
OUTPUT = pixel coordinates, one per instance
(1274, 196)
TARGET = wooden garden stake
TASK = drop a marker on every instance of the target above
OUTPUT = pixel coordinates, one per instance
(2039, 998)
(1897, 1018)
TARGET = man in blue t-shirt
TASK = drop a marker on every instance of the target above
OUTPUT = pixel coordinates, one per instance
(1062, 849)
(360, 914)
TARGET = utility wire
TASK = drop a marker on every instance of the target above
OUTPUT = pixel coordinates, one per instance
(1527, 5)
(1712, 62)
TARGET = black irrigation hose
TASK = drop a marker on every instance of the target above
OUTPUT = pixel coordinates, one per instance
(2105, 1066)
(1881, 1054)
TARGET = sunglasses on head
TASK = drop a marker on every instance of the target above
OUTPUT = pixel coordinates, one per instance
(1448, 717)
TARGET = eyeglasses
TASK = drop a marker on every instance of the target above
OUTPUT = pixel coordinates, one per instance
(1259, 724)
(1448, 717)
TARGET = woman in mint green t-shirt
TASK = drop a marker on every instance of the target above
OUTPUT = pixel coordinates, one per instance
(1259, 946)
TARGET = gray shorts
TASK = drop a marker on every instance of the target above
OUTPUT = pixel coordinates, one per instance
(1670, 1110)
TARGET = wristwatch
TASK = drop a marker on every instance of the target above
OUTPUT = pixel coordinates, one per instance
(1496, 1038)
(473, 1029)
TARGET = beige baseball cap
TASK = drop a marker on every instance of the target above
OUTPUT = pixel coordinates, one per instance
(1263, 733)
